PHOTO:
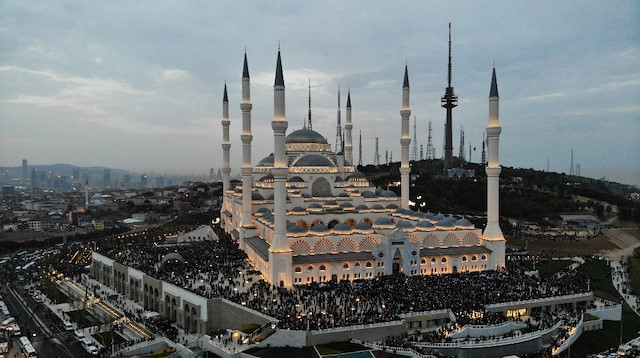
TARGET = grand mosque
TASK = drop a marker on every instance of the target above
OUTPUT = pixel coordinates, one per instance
(306, 214)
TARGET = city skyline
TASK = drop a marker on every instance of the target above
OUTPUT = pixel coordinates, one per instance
(139, 87)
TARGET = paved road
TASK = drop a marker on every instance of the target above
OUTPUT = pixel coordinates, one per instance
(41, 327)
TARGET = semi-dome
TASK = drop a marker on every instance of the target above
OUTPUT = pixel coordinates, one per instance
(296, 179)
(313, 160)
(266, 162)
(305, 136)
(256, 196)
(392, 206)
(356, 176)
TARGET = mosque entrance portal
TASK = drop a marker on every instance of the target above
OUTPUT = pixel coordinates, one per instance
(397, 262)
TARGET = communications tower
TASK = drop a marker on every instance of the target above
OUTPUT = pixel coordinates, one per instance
(339, 127)
(431, 150)
(449, 101)
(414, 147)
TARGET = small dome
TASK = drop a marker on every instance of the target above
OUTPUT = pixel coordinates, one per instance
(383, 221)
(266, 162)
(298, 209)
(377, 207)
(401, 211)
(446, 224)
(268, 177)
(392, 206)
(339, 179)
(319, 228)
(256, 196)
(362, 207)
(330, 203)
(346, 204)
(172, 256)
(437, 217)
(342, 228)
(305, 136)
(315, 206)
(306, 195)
(464, 224)
(404, 225)
(362, 226)
(425, 226)
(388, 194)
(343, 195)
(297, 229)
(369, 194)
(427, 215)
(296, 179)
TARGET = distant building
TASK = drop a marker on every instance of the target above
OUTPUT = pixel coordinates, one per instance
(106, 177)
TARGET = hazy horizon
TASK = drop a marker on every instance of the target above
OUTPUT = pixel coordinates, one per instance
(139, 86)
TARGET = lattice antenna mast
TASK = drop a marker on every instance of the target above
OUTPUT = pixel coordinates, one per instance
(572, 170)
(360, 150)
(310, 123)
(386, 156)
(449, 101)
(461, 151)
(376, 156)
(339, 127)
(421, 152)
(431, 150)
(414, 147)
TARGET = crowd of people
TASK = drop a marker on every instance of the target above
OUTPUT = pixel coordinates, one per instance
(219, 269)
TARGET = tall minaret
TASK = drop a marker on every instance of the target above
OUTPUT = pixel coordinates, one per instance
(348, 147)
(246, 137)
(449, 101)
(492, 236)
(279, 252)
(226, 145)
(338, 147)
(405, 140)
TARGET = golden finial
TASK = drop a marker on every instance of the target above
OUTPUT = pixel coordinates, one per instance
(494, 63)
(245, 49)
(278, 45)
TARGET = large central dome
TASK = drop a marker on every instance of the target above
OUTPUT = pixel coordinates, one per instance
(305, 136)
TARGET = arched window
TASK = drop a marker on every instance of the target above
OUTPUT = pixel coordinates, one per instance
(310, 268)
(474, 258)
(444, 259)
(484, 257)
(423, 261)
(298, 269)
(464, 259)
(323, 267)
(369, 264)
(345, 266)
(357, 264)
(433, 260)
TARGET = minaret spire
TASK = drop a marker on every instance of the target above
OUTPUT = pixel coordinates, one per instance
(405, 140)
(280, 257)
(348, 147)
(492, 236)
(360, 150)
(246, 138)
(449, 101)
(226, 146)
(338, 147)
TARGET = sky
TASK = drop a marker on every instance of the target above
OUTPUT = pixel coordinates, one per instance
(137, 85)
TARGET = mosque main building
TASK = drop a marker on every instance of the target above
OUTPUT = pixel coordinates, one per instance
(306, 214)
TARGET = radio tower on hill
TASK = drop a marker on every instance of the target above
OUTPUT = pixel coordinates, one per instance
(431, 150)
(484, 153)
(339, 127)
(376, 156)
(309, 119)
(414, 147)
(449, 101)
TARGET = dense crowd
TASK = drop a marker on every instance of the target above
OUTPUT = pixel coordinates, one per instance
(218, 269)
